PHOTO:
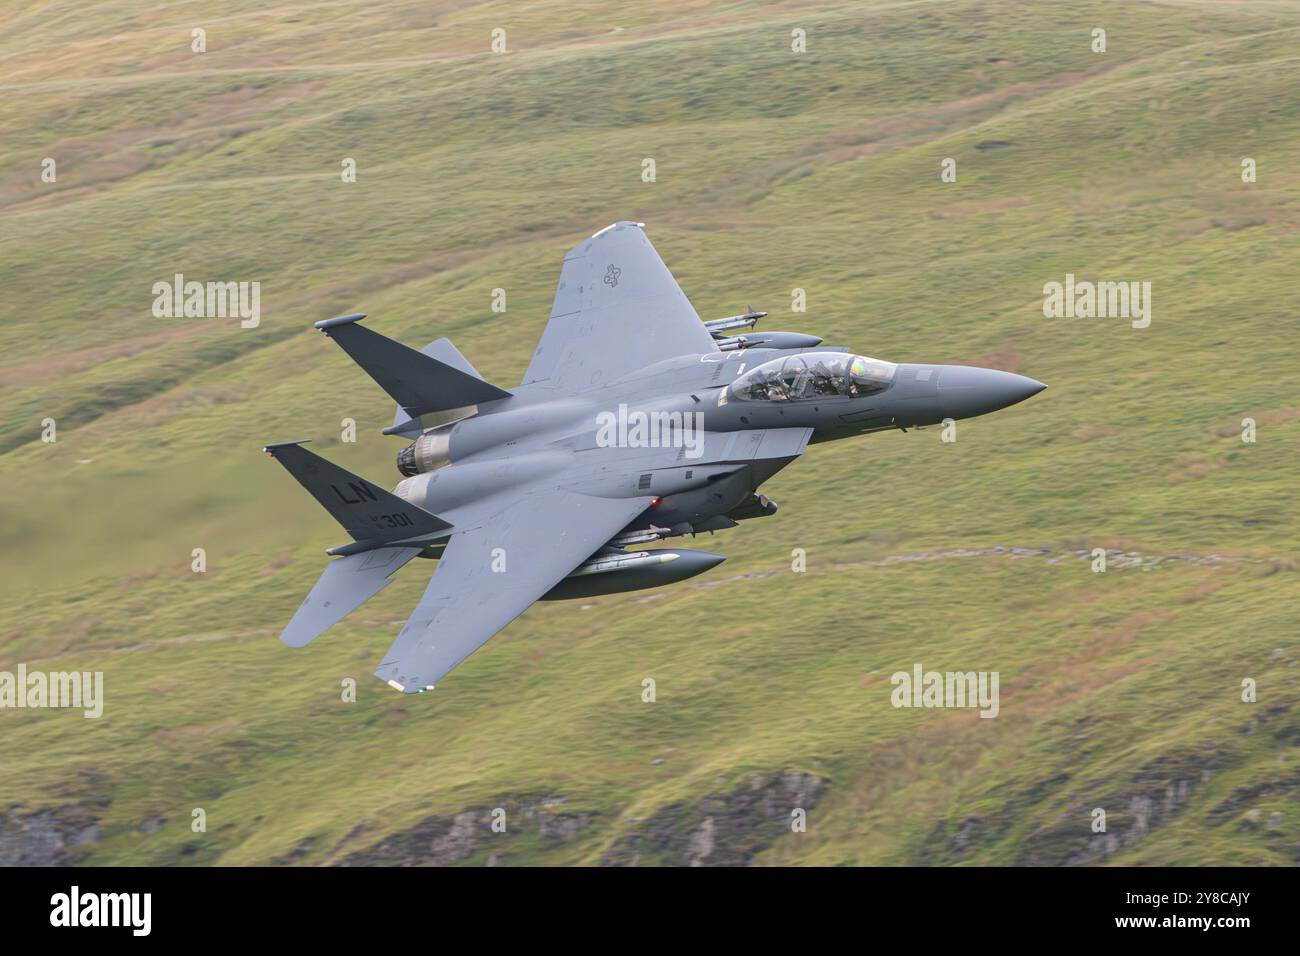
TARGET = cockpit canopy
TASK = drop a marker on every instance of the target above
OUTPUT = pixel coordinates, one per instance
(813, 375)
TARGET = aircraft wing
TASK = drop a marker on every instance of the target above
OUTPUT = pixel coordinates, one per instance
(492, 573)
(617, 308)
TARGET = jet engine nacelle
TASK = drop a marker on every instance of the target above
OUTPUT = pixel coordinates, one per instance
(449, 488)
(456, 441)
(429, 452)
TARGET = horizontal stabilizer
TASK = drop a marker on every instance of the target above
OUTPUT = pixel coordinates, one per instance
(346, 584)
(366, 511)
(418, 382)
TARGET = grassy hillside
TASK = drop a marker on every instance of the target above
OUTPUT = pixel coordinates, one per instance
(775, 170)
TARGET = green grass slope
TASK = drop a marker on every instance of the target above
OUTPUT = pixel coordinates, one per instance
(775, 171)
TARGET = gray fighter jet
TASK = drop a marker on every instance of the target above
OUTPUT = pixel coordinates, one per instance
(635, 422)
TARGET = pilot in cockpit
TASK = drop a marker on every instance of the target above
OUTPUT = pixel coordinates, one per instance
(812, 375)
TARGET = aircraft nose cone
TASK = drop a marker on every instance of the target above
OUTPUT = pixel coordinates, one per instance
(966, 391)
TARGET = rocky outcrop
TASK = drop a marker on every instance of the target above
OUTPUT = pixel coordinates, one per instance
(461, 837)
(1057, 824)
(52, 837)
(1156, 794)
(726, 829)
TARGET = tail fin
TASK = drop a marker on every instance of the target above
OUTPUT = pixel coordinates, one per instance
(417, 381)
(448, 354)
(346, 584)
(367, 512)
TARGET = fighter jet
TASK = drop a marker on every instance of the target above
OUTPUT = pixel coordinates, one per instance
(635, 422)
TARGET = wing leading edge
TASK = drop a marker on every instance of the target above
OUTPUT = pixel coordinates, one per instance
(491, 574)
(617, 308)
